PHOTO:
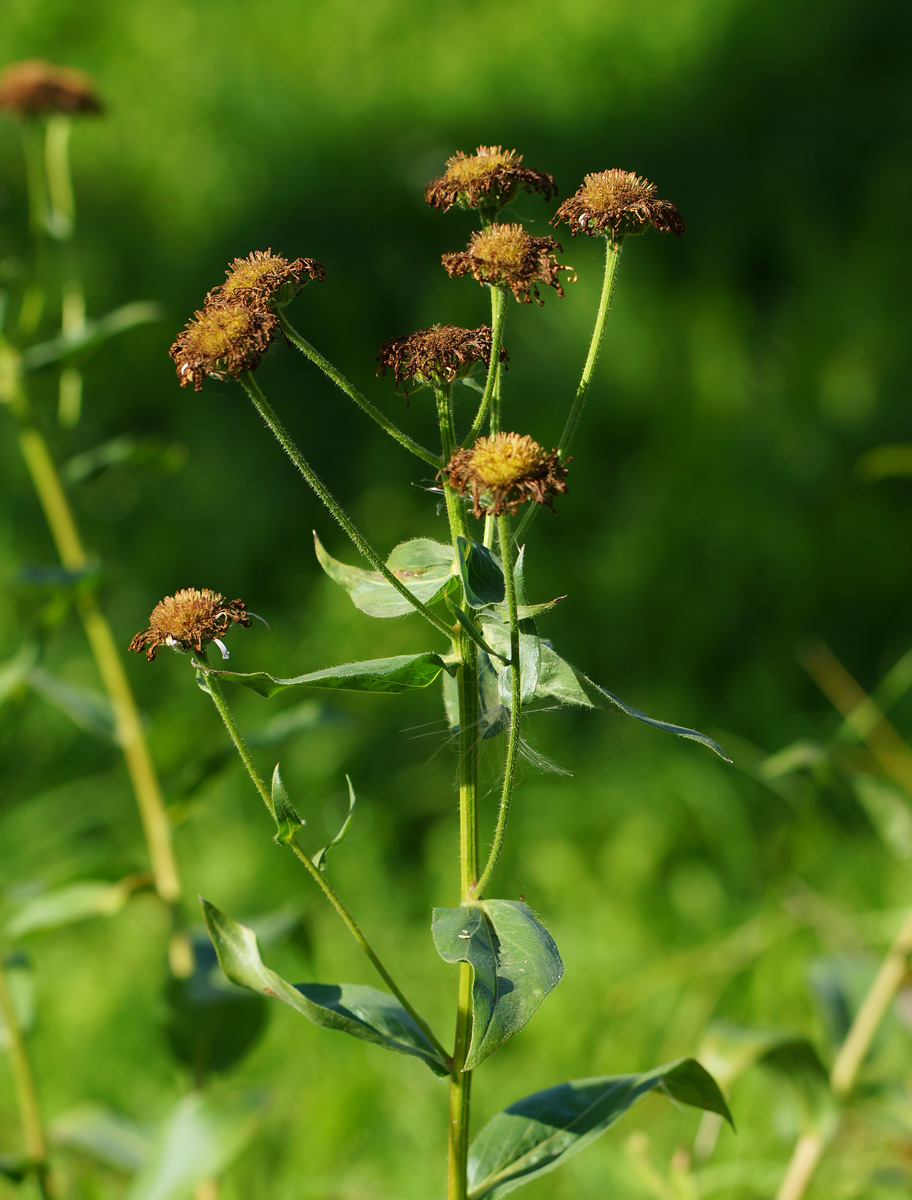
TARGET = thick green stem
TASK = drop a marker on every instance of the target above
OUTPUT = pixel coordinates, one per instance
(278, 430)
(492, 383)
(353, 393)
(221, 704)
(506, 551)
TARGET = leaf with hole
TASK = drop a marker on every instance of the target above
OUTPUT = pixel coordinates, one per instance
(424, 566)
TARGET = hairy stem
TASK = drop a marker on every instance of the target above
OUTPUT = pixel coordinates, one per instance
(492, 382)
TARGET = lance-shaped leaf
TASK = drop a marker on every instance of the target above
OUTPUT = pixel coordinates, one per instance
(530, 657)
(288, 820)
(514, 961)
(91, 334)
(319, 859)
(535, 1134)
(363, 1012)
(401, 673)
(424, 566)
(469, 627)
(481, 572)
(560, 681)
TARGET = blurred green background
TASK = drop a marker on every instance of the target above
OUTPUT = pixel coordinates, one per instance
(721, 509)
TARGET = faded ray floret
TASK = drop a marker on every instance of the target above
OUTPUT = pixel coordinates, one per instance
(614, 203)
(190, 620)
(507, 256)
(504, 471)
(223, 339)
(264, 279)
(437, 356)
(489, 179)
(36, 88)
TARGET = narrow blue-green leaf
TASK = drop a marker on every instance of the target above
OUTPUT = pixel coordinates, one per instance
(65, 906)
(424, 566)
(124, 451)
(91, 334)
(482, 573)
(363, 1012)
(560, 681)
(535, 1134)
(287, 820)
(104, 1135)
(402, 673)
(88, 710)
(319, 859)
(515, 964)
(472, 630)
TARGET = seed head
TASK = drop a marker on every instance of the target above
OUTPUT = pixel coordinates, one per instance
(35, 89)
(190, 620)
(487, 179)
(436, 356)
(264, 279)
(504, 471)
(223, 339)
(619, 202)
(507, 256)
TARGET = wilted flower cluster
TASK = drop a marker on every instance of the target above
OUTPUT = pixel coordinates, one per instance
(190, 620)
(36, 89)
(233, 331)
(504, 471)
(487, 179)
(617, 202)
(438, 355)
(507, 256)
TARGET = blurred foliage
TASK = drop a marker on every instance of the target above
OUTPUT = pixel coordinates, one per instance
(716, 515)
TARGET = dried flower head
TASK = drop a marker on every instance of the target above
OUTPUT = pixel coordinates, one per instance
(190, 620)
(618, 202)
(507, 256)
(36, 88)
(436, 356)
(264, 279)
(504, 471)
(487, 179)
(223, 339)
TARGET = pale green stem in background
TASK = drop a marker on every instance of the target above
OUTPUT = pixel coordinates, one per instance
(221, 704)
(281, 435)
(62, 206)
(25, 1089)
(61, 222)
(36, 188)
(353, 393)
(492, 383)
(506, 551)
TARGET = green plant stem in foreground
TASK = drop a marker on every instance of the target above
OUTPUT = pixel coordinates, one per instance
(491, 397)
(221, 704)
(279, 432)
(351, 391)
(26, 1092)
(891, 976)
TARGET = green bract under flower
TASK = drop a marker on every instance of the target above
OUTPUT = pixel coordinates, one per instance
(35, 88)
(438, 355)
(504, 471)
(507, 256)
(190, 620)
(264, 279)
(223, 339)
(616, 203)
(488, 179)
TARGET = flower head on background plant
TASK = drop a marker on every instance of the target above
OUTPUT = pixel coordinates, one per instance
(507, 256)
(264, 279)
(487, 179)
(35, 88)
(617, 203)
(223, 339)
(190, 620)
(436, 356)
(504, 471)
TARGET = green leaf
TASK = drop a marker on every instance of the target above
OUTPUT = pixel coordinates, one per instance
(402, 673)
(363, 1012)
(14, 673)
(470, 628)
(532, 1136)
(66, 906)
(202, 1136)
(562, 682)
(481, 572)
(91, 334)
(88, 710)
(124, 451)
(288, 822)
(424, 566)
(530, 657)
(319, 859)
(515, 964)
(103, 1135)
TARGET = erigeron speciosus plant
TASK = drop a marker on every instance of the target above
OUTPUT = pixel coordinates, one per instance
(493, 665)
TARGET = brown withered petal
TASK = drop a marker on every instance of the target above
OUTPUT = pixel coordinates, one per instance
(223, 339)
(265, 279)
(504, 471)
(619, 202)
(489, 178)
(190, 620)
(507, 256)
(437, 355)
(36, 88)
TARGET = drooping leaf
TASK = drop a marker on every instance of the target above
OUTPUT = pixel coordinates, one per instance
(363, 1012)
(125, 451)
(319, 859)
(530, 657)
(65, 906)
(424, 566)
(560, 681)
(288, 822)
(481, 572)
(535, 1134)
(515, 964)
(88, 710)
(91, 334)
(106, 1136)
(402, 673)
